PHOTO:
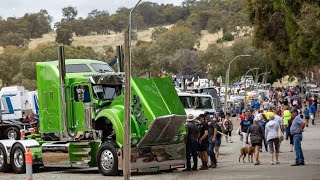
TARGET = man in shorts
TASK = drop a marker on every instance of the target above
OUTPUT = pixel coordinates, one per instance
(203, 142)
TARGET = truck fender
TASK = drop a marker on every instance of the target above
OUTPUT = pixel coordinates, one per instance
(112, 116)
(35, 149)
(7, 144)
(27, 143)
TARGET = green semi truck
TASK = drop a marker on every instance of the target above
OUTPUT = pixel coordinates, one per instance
(78, 97)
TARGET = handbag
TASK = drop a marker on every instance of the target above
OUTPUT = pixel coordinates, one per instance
(280, 134)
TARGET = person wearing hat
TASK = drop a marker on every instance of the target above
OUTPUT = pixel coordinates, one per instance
(296, 130)
(191, 141)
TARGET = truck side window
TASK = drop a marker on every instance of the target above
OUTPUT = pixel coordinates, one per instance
(81, 93)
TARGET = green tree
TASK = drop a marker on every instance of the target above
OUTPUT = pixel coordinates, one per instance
(279, 27)
(15, 39)
(64, 33)
(119, 20)
(9, 62)
(69, 13)
(175, 39)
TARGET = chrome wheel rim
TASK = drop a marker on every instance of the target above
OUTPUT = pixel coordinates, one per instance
(107, 160)
(12, 134)
(1, 158)
(18, 158)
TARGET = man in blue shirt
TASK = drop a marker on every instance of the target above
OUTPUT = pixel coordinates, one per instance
(296, 130)
(256, 105)
(313, 113)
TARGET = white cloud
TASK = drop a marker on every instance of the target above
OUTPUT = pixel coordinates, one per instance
(18, 8)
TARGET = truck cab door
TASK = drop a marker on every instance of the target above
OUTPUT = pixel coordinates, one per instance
(81, 100)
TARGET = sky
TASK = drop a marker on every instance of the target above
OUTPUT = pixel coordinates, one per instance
(17, 8)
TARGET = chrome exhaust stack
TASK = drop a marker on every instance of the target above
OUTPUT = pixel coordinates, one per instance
(62, 75)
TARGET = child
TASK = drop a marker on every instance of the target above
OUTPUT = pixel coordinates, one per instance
(306, 114)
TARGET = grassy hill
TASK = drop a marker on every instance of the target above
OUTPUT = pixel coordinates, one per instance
(98, 41)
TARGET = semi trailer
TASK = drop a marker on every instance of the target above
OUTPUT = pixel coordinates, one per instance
(17, 107)
(82, 95)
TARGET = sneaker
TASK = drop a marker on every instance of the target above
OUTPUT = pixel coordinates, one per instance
(296, 164)
(187, 169)
(204, 167)
(278, 162)
(302, 163)
(194, 169)
(272, 163)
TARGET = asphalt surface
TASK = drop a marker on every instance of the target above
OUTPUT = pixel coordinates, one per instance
(228, 166)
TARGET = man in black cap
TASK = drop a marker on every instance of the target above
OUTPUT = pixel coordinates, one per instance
(296, 130)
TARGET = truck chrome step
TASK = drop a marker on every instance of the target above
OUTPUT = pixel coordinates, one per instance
(81, 154)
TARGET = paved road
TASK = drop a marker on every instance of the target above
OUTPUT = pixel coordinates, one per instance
(228, 167)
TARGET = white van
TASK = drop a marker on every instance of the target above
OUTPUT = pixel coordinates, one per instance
(197, 104)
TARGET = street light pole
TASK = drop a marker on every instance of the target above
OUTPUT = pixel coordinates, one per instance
(257, 79)
(227, 80)
(245, 84)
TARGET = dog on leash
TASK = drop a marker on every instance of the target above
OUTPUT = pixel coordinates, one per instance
(244, 151)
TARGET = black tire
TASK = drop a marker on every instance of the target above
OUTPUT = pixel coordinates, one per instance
(110, 169)
(17, 159)
(9, 133)
(4, 167)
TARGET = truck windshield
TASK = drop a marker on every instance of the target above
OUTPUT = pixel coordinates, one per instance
(196, 102)
(106, 92)
(77, 68)
(99, 67)
(203, 102)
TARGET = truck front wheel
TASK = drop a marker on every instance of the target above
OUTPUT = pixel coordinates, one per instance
(13, 133)
(107, 159)
(4, 166)
(17, 159)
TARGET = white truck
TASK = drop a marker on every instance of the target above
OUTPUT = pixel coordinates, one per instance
(17, 105)
(197, 104)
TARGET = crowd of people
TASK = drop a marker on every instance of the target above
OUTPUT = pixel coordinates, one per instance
(286, 112)
(263, 125)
